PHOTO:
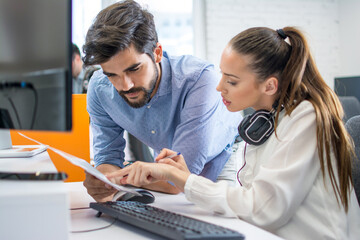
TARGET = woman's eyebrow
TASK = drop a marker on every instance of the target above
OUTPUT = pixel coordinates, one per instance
(231, 75)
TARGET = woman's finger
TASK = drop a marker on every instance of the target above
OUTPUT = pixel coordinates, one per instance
(168, 161)
(117, 176)
(123, 181)
(164, 152)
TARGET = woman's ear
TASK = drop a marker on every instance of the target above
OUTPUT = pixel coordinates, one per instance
(271, 86)
(158, 53)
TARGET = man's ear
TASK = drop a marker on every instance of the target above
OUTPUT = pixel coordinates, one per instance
(271, 86)
(77, 57)
(158, 53)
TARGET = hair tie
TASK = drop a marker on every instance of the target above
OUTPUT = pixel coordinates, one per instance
(281, 33)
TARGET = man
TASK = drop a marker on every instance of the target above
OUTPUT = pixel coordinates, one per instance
(77, 70)
(166, 102)
(80, 75)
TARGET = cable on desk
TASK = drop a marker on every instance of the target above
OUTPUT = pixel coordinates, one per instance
(95, 229)
(79, 208)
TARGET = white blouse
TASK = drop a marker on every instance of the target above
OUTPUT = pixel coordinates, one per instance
(283, 190)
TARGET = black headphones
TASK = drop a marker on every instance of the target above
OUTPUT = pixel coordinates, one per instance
(256, 128)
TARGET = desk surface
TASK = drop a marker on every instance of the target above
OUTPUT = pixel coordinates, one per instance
(37, 163)
(85, 219)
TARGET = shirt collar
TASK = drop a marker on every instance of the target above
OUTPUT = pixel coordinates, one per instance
(165, 81)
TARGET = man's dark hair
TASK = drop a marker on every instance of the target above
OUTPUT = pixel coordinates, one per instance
(75, 50)
(116, 28)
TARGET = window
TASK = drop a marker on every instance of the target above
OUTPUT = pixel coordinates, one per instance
(83, 14)
(173, 20)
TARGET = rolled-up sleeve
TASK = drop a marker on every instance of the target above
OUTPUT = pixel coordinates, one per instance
(108, 141)
(200, 135)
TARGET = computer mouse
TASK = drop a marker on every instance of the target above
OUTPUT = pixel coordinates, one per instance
(146, 197)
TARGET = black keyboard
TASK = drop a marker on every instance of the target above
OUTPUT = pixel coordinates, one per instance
(167, 224)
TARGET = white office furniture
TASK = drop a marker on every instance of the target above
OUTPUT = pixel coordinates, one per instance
(33, 209)
(41, 209)
(85, 219)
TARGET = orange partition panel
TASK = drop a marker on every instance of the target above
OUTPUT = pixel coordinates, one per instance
(76, 142)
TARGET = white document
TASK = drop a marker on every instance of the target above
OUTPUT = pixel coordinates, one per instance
(88, 168)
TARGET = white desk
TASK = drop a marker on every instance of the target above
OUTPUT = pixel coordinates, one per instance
(85, 219)
(55, 218)
(33, 209)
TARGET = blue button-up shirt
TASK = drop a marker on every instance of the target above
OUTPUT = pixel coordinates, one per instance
(186, 114)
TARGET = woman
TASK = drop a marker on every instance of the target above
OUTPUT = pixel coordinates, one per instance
(297, 183)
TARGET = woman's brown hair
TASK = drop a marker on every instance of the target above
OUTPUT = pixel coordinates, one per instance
(299, 79)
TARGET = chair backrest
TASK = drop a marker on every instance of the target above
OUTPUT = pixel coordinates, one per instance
(353, 127)
(351, 106)
(76, 142)
(140, 150)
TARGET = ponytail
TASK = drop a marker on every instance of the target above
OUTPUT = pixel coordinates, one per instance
(285, 54)
(304, 82)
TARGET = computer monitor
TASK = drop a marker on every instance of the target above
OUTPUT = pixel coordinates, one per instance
(35, 65)
(348, 86)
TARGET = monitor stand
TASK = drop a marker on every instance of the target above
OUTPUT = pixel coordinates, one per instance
(7, 150)
(5, 139)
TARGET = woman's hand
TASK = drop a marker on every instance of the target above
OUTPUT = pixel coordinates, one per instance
(144, 173)
(139, 174)
(177, 161)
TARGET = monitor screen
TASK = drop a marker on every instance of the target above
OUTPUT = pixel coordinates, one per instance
(35, 64)
(348, 86)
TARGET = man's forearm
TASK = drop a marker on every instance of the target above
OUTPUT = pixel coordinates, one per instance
(162, 186)
(107, 168)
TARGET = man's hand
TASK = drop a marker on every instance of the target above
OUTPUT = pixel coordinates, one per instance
(97, 188)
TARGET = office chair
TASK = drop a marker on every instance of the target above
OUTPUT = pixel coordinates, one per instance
(140, 150)
(76, 142)
(351, 106)
(353, 127)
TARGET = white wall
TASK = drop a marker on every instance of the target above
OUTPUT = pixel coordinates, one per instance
(319, 19)
(349, 35)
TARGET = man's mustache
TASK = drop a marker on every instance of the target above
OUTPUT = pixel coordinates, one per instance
(132, 90)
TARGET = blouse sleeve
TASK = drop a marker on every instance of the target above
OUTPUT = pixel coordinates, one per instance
(282, 182)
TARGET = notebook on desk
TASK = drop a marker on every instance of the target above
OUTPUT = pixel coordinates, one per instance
(22, 151)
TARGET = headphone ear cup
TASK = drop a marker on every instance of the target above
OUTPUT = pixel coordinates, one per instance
(255, 129)
(244, 125)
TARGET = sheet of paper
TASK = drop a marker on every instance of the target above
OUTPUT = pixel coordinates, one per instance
(88, 168)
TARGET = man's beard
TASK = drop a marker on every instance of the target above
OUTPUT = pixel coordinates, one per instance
(147, 92)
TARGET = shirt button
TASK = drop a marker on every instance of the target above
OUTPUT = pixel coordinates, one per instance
(149, 106)
(153, 131)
